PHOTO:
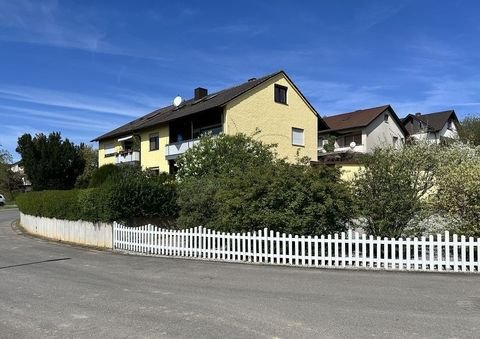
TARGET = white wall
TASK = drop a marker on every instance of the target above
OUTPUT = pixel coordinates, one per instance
(380, 133)
(78, 232)
(449, 133)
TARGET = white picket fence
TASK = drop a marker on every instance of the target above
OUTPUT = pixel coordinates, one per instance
(347, 250)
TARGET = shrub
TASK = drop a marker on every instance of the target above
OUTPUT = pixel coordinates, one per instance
(130, 196)
(457, 194)
(102, 174)
(134, 196)
(51, 204)
(391, 188)
(255, 191)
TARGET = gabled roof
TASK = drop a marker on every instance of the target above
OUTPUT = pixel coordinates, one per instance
(192, 106)
(358, 119)
(433, 121)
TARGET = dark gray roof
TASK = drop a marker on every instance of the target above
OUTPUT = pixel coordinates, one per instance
(433, 121)
(189, 107)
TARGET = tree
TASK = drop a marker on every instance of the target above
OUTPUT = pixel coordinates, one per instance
(90, 157)
(9, 180)
(235, 183)
(50, 162)
(469, 130)
(390, 191)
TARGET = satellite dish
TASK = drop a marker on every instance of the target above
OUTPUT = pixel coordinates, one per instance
(353, 144)
(177, 101)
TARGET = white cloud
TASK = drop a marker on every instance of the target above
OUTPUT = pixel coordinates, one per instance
(46, 23)
(63, 99)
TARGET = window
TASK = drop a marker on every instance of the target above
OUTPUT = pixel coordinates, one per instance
(154, 170)
(281, 94)
(356, 138)
(450, 124)
(395, 142)
(213, 130)
(109, 150)
(297, 137)
(154, 145)
(385, 118)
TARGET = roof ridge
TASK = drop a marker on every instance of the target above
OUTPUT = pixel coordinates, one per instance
(359, 110)
(217, 99)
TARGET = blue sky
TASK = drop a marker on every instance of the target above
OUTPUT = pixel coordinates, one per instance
(85, 67)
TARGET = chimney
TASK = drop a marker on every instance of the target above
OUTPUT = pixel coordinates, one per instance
(418, 114)
(200, 93)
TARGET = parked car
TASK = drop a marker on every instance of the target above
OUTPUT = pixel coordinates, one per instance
(2, 200)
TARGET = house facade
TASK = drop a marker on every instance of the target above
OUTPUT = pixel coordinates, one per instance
(17, 168)
(271, 108)
(432, 127)
(361, 131)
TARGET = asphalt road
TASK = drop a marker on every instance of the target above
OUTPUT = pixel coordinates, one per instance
(54, 290)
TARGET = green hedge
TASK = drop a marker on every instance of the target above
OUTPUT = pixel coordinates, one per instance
(132, 197)
(51, 204)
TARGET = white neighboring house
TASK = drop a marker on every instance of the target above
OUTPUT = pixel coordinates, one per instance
(360, 131)
(432, 127)
(16, 168)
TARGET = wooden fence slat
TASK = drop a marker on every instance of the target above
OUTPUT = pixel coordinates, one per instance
(347, 249)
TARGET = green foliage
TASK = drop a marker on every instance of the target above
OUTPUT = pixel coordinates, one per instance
(130, 196)
(469, 130)
(102, 174)
(390, 190)
(90, 157)
(330, 146)
(255, 191)
(135, 194)
(224, 154)
(458, 189)
(51, 204)
(50, 162)
(10, 182)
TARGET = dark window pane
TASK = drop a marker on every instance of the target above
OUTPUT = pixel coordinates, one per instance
(154, 142)
(280, 94)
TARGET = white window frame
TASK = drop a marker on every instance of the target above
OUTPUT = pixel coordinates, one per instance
(298, 131)
(109, 149)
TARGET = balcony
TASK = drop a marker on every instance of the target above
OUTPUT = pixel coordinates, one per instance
(175, 149)
(356, 149)
(127, 157)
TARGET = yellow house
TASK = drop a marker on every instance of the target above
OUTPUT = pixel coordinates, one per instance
(272, 105)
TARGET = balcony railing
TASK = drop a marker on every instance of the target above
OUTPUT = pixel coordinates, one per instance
(127, 157)
(357, 149)
(175, 149)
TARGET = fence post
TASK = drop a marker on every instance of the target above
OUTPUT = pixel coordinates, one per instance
(439, 253)
(470, 254)
(272, 247)
(447, 251)
(303, 257)
(464, 252)
(432, 252)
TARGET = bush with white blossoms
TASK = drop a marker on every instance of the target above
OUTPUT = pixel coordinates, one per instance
(458, 188)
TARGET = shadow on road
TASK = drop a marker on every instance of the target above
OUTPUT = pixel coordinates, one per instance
(34, 263)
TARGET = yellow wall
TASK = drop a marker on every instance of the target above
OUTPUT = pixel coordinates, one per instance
(257, 109)
(156, 158)
(101, 152)
(348, 171)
